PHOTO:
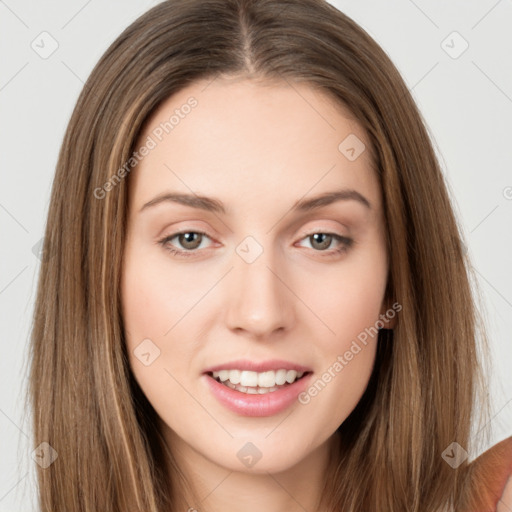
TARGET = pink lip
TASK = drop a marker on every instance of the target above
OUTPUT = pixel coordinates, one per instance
(257, 405)
(263, 366)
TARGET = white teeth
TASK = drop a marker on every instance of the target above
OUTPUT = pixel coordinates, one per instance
(290, 376)
(280, 377)
(249, 379)
(224, 375)
(234, 376)
(266, 379)
(264, 391)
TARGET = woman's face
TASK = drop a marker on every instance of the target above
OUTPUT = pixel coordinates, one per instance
(280, 282)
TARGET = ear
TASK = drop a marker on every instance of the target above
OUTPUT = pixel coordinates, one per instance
(389, 312)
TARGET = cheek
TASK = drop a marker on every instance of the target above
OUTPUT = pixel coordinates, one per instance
(144, 305)
(153, 311)
(161, 303)
(350, 310)
(348, 298)
(155, 294)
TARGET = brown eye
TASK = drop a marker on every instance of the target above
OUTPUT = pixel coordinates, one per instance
(321, 241)
(187, 241)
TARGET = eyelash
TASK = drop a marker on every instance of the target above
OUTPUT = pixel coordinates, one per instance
(346, 244)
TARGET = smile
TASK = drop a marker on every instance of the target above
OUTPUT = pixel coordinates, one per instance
(255, 400)
(256, 382)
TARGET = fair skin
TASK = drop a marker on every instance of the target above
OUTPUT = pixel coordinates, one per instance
(505, 503)
(258, 149)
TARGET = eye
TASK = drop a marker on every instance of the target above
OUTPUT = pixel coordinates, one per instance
(321, 241)
(189, 240)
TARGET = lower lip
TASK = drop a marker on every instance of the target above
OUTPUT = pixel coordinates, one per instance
(257, 405)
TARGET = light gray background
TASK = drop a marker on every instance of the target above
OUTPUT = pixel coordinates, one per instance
(466, 102)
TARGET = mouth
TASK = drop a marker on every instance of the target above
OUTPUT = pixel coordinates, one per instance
(257, 383)
(257, 388)
(250, 393)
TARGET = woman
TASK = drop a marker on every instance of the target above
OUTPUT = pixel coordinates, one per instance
(189, 351)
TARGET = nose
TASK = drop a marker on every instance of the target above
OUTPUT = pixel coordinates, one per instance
(259, 301)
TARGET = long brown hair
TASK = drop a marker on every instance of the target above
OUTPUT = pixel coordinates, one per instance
(428, 376)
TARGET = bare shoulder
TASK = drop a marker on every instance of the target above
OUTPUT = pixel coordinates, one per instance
(489, 480)
(505, 503)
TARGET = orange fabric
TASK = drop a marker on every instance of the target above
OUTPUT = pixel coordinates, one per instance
(490, 480)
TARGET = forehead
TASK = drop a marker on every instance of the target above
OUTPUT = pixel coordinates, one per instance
(253, 138)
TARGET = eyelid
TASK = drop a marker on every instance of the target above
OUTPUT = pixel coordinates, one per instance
(322, 229)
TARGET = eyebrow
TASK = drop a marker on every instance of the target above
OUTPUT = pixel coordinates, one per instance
(214, 205)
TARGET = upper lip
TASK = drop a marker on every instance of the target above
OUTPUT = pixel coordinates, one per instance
(261, 366)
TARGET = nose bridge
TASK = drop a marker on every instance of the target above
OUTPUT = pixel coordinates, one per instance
(258, 300)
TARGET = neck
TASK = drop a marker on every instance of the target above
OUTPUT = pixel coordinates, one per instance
(214, 488)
